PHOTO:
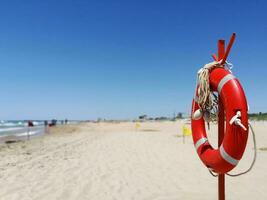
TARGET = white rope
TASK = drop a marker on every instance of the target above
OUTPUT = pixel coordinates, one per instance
(253, 161)
(254, 158)
(207, 100)
(213, 174)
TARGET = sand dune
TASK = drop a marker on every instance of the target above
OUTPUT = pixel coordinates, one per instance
(115, 161)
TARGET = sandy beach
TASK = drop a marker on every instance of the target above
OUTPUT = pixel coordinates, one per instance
(108, 161)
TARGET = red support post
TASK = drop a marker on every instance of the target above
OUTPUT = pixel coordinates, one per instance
(222, 55)
(221, 177)
(229, 46)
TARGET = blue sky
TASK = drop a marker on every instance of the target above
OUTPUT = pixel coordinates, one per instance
(119, 59)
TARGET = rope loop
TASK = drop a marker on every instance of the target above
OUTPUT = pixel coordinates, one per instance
(252, 163)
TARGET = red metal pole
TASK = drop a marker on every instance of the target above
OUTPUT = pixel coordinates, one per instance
(221, 177)
(229, 46)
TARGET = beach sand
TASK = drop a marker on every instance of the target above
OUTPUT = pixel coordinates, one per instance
(108, 161)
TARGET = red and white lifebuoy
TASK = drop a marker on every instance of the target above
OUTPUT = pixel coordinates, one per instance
(233, 98)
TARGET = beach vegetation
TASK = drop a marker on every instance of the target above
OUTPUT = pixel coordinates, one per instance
(258, 116)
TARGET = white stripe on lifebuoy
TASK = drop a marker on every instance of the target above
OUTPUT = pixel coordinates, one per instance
(200, 142)
(227, 157)
(224, 81)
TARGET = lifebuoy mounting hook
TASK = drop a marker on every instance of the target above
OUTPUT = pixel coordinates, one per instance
(229, 46)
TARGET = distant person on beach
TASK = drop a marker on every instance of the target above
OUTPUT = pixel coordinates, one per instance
(30, 123)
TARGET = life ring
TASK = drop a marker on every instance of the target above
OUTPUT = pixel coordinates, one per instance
(233, 98)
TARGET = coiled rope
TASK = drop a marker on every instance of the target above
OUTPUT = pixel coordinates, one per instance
(207, 100)
(203, 91)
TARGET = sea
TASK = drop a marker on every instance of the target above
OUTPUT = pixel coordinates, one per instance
(19, 128)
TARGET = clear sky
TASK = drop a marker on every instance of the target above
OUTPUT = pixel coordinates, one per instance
(119, 59)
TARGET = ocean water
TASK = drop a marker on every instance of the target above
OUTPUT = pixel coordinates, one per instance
(20, 128)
